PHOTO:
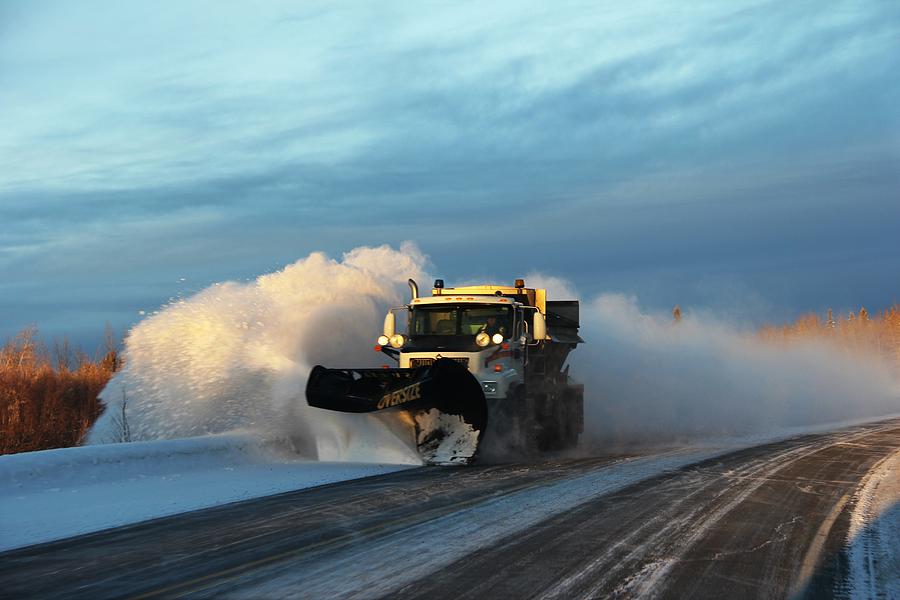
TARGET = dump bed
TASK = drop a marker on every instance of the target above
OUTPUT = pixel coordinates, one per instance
(563, 321)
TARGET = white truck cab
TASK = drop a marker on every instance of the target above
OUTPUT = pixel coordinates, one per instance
(486, 328)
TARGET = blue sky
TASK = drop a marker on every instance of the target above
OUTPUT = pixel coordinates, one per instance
(740, 156)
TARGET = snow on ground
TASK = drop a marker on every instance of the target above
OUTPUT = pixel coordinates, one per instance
(874, 537)
(56, 494)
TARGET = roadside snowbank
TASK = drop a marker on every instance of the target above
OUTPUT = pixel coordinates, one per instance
(56, 494)
(874, 537)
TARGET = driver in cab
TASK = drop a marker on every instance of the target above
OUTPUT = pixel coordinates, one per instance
(493, 325)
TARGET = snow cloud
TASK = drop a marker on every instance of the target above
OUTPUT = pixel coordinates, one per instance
(650, 380)
(235, 357)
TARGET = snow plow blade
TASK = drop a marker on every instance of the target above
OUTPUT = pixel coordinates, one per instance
(444, 400)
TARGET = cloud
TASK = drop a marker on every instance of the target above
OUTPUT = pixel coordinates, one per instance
(188, 98)
(219, 139)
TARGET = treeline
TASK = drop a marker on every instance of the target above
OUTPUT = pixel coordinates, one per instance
(48, 396)
(857, 332)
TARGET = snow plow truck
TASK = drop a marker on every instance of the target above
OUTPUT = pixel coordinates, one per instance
(477, 367)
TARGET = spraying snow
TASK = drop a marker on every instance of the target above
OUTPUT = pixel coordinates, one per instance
(445, 439)
(649, 379)
(235, 357)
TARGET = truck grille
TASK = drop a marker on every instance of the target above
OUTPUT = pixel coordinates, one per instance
(424, 362)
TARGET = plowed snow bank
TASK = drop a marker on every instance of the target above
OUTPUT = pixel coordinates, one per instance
(56, 494)
(874, 538)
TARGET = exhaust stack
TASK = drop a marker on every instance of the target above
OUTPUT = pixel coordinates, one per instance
(414, 288)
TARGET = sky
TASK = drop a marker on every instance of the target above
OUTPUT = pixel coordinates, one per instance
(741, 156)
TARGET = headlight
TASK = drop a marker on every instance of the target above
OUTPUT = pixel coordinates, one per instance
(498, 338)
(383, 340)
(397, 340)
(482, 339)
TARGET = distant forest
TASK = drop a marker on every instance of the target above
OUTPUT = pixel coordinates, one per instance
(858, 333)
(48, 394)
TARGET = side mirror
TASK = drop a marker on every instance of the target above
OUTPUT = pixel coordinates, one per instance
(390, 325)
(540, 327)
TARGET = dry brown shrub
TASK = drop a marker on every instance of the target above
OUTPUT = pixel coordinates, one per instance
(48, 403)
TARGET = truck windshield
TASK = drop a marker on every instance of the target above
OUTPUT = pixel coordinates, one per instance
(461, 319)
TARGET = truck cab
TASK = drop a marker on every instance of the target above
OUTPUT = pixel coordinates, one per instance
(496, 332)
(481, 332)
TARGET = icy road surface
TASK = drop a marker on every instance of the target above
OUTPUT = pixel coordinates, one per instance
(775, 520)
